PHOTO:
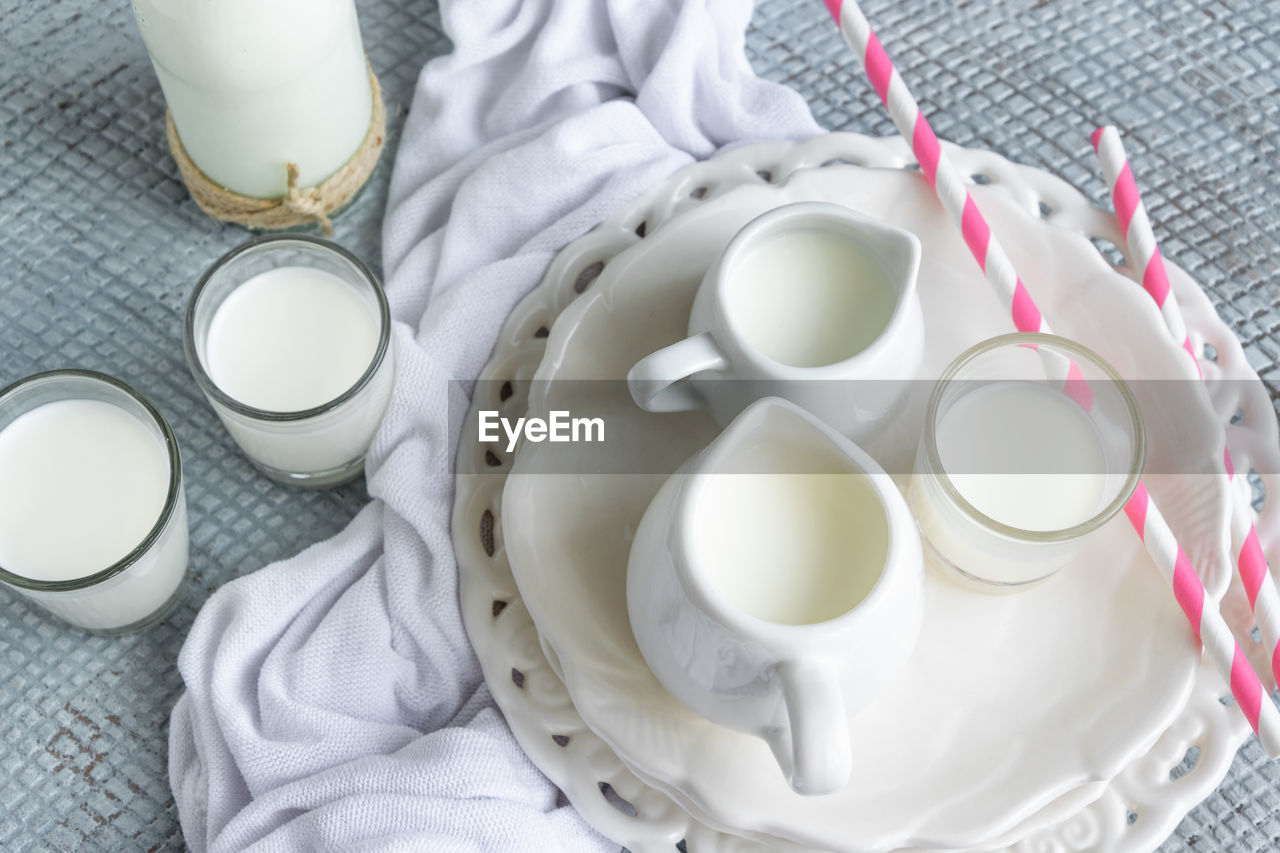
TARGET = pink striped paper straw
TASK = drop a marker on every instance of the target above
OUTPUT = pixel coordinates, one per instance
(1141, 240)
(1138, 234)
(1161, 544)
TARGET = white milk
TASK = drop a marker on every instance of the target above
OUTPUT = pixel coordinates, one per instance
(810, 298)
(253, 85)
(1023, 454)
(288, 340)
(83, 483)
(291, 339)
(794, 549)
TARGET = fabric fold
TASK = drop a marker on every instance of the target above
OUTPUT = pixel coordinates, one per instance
(333, 699)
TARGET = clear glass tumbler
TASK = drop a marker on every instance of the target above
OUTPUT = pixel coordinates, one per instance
(144, 585)
(317, 447)
(1031, 443)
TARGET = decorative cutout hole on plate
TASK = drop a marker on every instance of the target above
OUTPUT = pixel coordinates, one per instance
(765, 175)
(641, 229)
(1045, 210)
(1258, 490)
(1210, 352)
(980, 179)
(491, 459)
(498, 606)
(1186, 765)
(560, 740)
(615, 799)
(700, 193)
(517, 678)
(1110, 251)
(591, 273)
(505, 392)
(1131, 818)
(486, 532)
(541, 332)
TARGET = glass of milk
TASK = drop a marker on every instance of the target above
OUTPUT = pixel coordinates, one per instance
(93, 516)
(289, 338)
(1031, 443)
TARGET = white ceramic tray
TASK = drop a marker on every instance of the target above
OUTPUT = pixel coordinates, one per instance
(1008, 702)
(536, 701)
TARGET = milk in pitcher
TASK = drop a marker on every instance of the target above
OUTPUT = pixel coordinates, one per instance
(791, 548)
(810, 298)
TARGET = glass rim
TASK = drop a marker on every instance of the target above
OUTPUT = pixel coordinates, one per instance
(170, 501)
(1063, 534)
(196, 364)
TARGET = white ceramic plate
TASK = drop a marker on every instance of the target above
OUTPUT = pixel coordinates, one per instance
(1009, 701)
(537, 705)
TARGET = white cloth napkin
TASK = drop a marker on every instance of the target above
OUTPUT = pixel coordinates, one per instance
(333, 699)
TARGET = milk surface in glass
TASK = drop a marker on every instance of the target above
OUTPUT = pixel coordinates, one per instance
(1022, 454)
(291, 339)
(82, 484)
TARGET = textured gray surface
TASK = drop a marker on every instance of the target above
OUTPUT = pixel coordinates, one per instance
(99, 248)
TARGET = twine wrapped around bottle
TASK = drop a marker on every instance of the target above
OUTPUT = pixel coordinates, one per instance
(299, 206)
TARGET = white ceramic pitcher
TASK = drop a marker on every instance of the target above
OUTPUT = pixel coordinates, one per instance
(775, 586)
(836, 281)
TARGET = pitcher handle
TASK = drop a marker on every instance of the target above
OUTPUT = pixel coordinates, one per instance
(656, 380)
(821, 755)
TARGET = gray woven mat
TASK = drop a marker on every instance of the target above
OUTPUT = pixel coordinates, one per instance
(100, 246)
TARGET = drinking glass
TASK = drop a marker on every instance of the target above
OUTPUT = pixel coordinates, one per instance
(142, 587)
(1055, 393)
(317, 447)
